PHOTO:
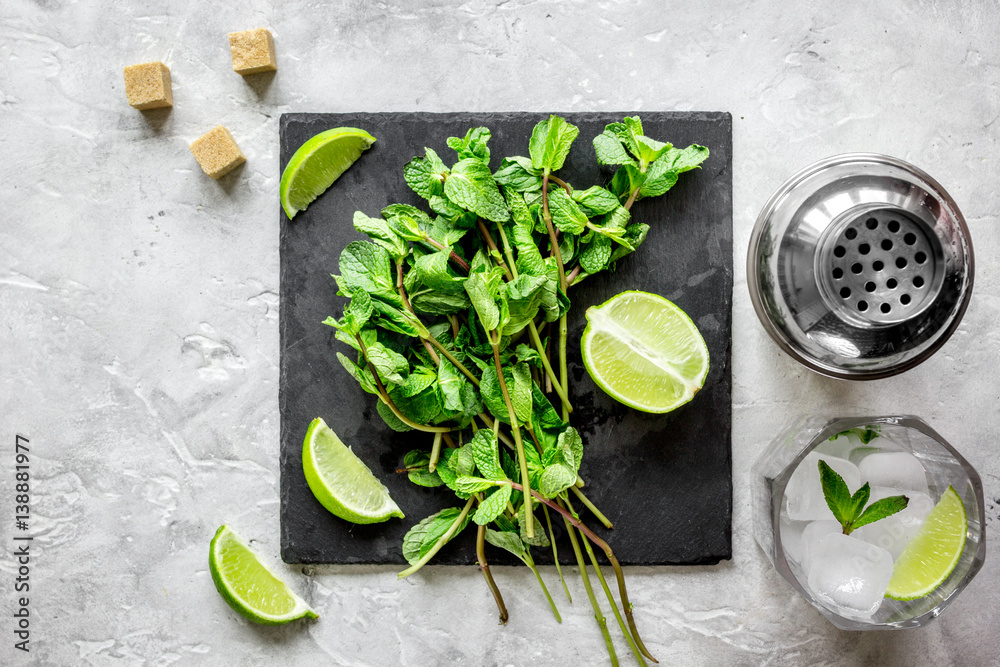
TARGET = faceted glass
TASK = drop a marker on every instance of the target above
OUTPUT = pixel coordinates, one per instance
(943, 466)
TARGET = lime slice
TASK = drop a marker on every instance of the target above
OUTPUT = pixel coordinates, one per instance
(644, 352)
(248, 586)
(318, 163)
(341, 481)
(932, 553)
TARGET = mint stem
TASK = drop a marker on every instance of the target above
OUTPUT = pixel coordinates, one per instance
(551, 374)
(485, 569)
(555, 553)
(603, 546)
(589, 505)
(531, 565)
(453, 256)
(563, 370)
(552, 232)
(435, 452)
(598, 614)
(529, 527)
(611, 598)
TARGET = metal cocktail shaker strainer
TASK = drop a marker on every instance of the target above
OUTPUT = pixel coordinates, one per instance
(860, 266)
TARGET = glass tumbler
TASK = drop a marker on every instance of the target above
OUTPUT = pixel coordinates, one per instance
(777, 534)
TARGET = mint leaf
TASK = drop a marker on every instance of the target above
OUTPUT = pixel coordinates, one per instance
(483, 288)
(518, 174)
(838, 497)
(571, 440)
(555, 479)
(380, 232)
(392, 318)
(409, 222)
(508, 541)
(596, 255)
(566, 213)
(486, 452)
(436, 303)
(425, 176)
(635, 234)
(450, 385)
(391, 420)
(880, 509)
(492, 395)
(469, 484)
(596, 200)
(362, 375)
(473, 145)
(367, 267)
(528, 355)
(650, 149)
(684, 159)
(434, 271)
(550, 142)
(610, 150)
(858, 502)
(391, 366)
(422, 407)
(419, 379)
(520, 392)
(523, 296)
(540, 539)
(472, 187)
(493, 505)
(419, 539)
(417, 464)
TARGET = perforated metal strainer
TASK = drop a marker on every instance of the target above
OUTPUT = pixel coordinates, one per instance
(860, 266)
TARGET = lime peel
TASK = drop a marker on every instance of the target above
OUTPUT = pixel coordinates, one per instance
(248, 586)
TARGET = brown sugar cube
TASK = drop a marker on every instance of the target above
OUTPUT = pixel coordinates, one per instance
(217, 152)
(147, 86)
(253, 51)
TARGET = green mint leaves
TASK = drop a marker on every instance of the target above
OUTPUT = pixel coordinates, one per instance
(850, 509)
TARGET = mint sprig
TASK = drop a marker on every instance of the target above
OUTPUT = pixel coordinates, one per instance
(849, 509)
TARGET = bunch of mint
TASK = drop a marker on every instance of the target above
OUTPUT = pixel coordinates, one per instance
(458, 320)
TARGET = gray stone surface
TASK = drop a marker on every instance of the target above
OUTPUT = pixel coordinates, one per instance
(139, 349)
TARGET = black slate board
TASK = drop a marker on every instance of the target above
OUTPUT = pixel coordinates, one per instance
(664, 480)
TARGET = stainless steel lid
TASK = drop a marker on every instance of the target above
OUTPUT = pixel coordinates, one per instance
(860, 266)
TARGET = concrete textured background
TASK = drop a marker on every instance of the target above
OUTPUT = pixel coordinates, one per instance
(139, 345)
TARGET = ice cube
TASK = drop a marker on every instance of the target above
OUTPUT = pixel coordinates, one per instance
(804, 493)
(840, 445)
(791, 537)
(894, 532)
(850, 575)
(812, 536)
(900, 470)
(874, 446)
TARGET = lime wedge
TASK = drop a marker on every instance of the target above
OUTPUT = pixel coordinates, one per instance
(318, 163)
(248, 586)
(932, 553)
(341, 481)
(644, 352)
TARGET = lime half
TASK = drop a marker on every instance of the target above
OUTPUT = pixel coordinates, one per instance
(644, 352)
(341, 481)
(248, 586)
(318, 163)
(933, 552)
